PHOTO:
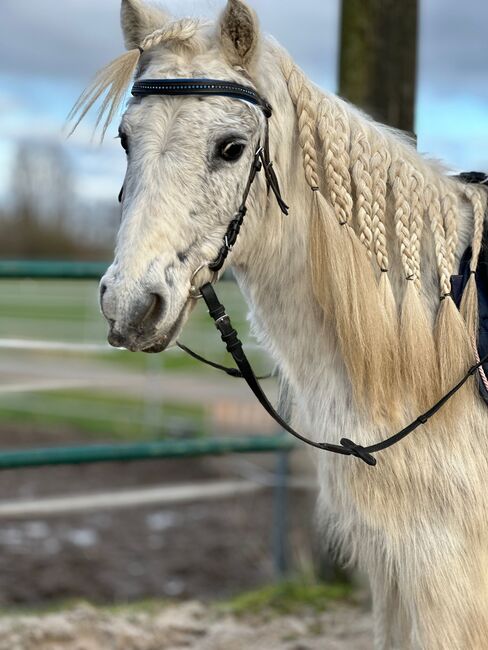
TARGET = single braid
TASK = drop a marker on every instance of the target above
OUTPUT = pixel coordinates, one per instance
(302, 98)
(434, 211)
(334, 132)
(469, 304)
(402, 218)
(417, 347)
(478, 200)
(380, 164)
(379, 167)
(363, 180)
(452, 332)
(450, 207)
(416, 221)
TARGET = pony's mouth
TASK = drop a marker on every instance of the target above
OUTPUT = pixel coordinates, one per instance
(150, 342)
(160, 343)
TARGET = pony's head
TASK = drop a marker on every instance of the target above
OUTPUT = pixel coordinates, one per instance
(188, 161)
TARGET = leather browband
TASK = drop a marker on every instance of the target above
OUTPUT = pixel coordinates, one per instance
(207, 87)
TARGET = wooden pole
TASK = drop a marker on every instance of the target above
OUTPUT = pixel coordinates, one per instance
(378, 62)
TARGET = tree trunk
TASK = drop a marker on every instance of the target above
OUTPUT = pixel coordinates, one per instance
(378, 63)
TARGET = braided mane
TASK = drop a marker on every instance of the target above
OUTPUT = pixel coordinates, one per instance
(376, 200)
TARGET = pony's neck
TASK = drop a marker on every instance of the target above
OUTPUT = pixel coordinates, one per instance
(319, 317)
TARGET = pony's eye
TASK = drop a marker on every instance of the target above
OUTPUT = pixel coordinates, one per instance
(231, 151)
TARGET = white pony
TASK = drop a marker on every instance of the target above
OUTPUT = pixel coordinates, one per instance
(350, 293)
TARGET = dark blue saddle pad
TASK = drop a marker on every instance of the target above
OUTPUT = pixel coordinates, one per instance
(458, 284)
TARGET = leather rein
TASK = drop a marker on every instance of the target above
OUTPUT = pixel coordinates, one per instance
(262, 162)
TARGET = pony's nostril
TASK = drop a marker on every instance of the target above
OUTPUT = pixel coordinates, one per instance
(101, 299)
(155, 310)
(116, 339)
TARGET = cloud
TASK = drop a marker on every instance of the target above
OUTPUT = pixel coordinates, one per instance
(73, 39)
(453, 47)
(49, 49)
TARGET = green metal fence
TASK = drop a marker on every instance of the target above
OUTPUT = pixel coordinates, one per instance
(22, 458)
(65, 270)
(49, 270)
(190, 448)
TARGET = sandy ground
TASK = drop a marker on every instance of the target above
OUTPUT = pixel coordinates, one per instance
(198, 550)
(202, 550)
(191, 626)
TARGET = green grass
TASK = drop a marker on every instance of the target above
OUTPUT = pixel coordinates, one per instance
(67, 311)
(278, 599)
(102, 414)
(287, 597)
(150, 606)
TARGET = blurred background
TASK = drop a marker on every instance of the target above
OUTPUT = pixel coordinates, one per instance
(121, 534)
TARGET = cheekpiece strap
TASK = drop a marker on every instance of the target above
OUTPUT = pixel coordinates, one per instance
(205, 87)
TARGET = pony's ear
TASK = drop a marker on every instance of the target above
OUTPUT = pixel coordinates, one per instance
(239, 31)
(138, 20)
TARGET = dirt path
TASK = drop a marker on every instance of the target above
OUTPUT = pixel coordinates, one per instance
(191, 626)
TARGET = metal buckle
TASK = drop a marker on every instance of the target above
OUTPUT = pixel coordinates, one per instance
(195, 293)
(227, 245)
(219, 320)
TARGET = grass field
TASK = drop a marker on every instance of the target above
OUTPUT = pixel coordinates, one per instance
(67, 311)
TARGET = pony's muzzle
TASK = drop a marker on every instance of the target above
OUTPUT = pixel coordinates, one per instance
(135, 323)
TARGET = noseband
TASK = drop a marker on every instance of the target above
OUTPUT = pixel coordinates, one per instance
(261, 161)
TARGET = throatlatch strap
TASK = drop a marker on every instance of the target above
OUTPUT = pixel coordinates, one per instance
(346, 447)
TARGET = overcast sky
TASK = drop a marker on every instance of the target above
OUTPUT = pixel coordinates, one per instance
(49, 49)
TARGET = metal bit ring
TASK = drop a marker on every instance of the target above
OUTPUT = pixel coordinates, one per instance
(195, 293)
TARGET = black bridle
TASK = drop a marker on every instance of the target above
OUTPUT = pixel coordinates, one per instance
(261, 161)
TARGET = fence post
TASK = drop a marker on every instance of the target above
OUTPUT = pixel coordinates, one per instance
(378, 58)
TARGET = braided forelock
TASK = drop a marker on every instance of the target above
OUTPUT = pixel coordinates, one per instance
(183, 31)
